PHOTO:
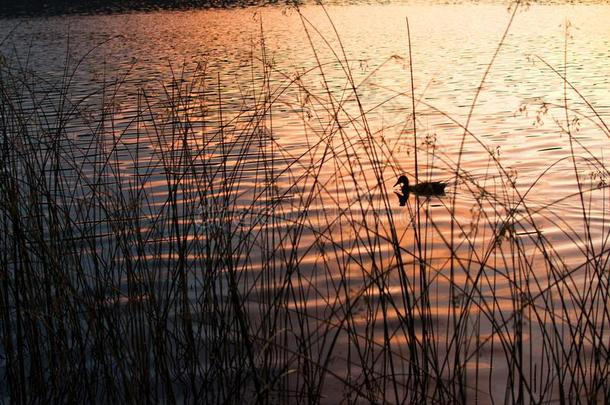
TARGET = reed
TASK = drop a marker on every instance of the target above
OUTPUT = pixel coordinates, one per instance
(180, 251)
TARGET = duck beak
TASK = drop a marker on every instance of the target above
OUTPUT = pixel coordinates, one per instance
(397, 183)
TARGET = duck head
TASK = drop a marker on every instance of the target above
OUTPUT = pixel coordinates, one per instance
(403, 181)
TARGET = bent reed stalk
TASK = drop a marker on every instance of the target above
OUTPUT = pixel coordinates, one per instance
(180, 251)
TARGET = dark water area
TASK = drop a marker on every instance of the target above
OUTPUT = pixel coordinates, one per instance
(27, 8)
(41, 8)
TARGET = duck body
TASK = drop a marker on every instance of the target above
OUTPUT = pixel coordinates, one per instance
(427, 188)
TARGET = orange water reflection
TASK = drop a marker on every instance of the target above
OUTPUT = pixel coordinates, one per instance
(313, 140)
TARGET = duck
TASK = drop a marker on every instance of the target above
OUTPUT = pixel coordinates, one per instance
(427, 188)
(402, 198)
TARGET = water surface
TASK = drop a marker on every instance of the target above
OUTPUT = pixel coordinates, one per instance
(328, 94)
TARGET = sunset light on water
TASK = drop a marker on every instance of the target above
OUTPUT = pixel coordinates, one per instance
(204, 204)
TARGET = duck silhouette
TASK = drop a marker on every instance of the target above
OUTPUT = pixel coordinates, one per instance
(427, 188)
(402, 198)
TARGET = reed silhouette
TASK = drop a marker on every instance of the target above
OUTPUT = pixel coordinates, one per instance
(168, 261)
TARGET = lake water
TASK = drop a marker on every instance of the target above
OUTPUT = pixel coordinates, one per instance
(513, 256)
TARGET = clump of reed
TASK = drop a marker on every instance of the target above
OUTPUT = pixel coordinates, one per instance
(179, 251)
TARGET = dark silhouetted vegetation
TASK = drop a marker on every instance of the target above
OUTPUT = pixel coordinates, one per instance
(160, 262)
